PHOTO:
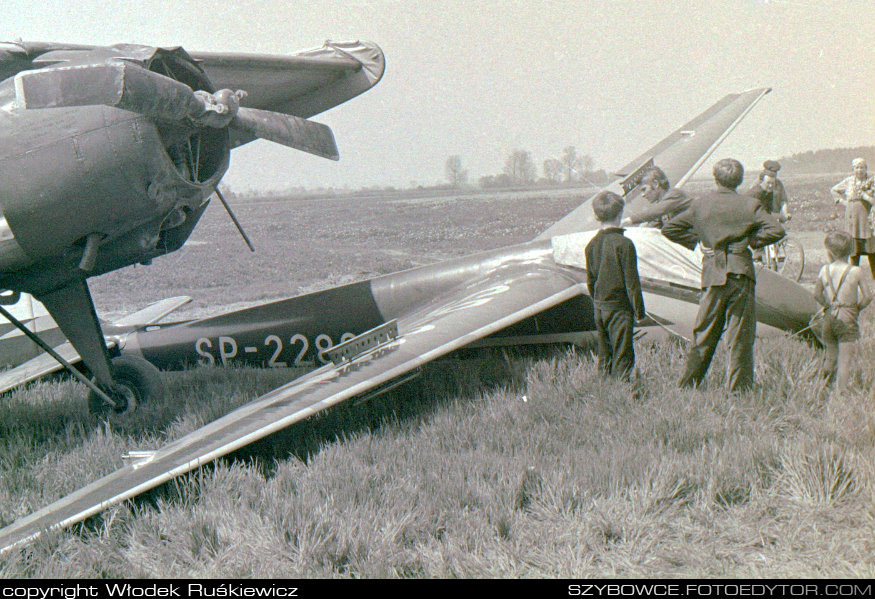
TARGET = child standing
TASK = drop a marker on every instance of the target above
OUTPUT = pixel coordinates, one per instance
(843, 293)
(614, 286)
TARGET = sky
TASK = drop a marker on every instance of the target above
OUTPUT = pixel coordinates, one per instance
(482, 79)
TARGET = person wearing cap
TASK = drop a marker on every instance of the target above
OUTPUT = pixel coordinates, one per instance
(770, 191)
(726, 224)
(663, 203)
(856, 193)
(771, 194)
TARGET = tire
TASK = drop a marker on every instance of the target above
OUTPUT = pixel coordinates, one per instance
(791, 259)
(136, 381)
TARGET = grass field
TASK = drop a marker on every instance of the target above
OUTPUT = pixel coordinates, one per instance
(501, 464)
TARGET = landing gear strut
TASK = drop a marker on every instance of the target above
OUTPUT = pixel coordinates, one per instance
(135, 381)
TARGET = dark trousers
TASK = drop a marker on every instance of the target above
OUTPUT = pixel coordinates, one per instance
(732, 305)
(616, 354)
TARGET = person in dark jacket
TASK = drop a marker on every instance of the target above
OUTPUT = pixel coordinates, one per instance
(770, 191)
(614, 286)
(726, 225)
(664, 203)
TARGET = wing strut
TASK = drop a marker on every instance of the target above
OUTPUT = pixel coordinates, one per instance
(234, 218)
(48, 349)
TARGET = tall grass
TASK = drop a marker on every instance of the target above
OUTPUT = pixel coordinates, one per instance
(502, 466)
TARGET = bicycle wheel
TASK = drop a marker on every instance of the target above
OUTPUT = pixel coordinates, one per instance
(790, 258)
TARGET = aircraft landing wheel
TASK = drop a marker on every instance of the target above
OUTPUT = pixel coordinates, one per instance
(136, 381)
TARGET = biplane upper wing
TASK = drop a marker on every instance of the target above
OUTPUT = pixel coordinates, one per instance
(301, 84)
(465, 314)
(304, 83)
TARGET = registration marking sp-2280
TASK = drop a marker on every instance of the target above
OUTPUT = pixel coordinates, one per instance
(226, 348)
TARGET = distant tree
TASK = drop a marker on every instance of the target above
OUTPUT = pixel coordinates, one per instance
(520, 167)
(569, 162)
(504, 180)
(553, 170)
(456, 175)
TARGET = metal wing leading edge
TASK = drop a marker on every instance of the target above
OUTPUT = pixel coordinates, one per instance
(464, 314)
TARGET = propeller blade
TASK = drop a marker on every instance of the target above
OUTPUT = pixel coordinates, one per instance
(131, 87)
(121, 84)
(292, 131)
(234, 218)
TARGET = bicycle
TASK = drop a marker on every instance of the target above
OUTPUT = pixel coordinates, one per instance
(786, 257)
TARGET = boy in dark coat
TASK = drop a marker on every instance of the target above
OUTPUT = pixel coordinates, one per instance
(612, 278)
(727, 225)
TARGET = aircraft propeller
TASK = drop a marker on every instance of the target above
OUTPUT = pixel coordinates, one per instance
(129, 86)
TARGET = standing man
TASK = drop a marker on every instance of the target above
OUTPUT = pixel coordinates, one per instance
(725, 224)
(769, 190)
(772, 196)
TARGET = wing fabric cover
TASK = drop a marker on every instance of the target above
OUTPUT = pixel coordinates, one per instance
(40, 366)
(670, 270)
(658, 258)
(679, 154)
(302, 84)
(463, 315)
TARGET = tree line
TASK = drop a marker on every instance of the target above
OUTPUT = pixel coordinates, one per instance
(834, 160)
(520, 170)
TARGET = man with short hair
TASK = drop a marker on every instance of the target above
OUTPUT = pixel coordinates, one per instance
(770, 191)
(726, 224)
(663, 203)
(772, 196)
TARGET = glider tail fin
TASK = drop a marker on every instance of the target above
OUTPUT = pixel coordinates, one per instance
(679, 155)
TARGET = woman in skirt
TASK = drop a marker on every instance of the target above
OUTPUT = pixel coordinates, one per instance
(855, 192)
